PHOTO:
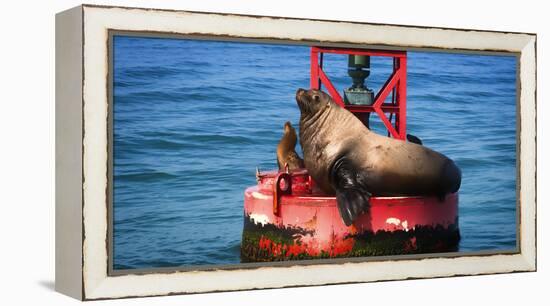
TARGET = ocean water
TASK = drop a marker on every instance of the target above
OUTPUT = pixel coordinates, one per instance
(193, 119)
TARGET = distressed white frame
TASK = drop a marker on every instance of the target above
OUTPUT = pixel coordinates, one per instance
(95, 24)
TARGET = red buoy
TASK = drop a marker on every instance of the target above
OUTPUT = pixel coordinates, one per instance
(286, 217)
(302, 223)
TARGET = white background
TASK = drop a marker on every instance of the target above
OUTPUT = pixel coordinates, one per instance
(27, 161)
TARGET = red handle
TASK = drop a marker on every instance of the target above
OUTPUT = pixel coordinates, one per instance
(278, 191)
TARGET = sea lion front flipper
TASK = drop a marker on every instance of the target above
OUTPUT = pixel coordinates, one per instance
(352, 198)
(295, 161)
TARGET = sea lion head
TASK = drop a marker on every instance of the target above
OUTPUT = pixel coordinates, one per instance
(290, 133)
(288, 128)
(312, 101)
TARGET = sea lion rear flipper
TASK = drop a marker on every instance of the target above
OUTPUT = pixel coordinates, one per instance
(414, 139)
(352, 197)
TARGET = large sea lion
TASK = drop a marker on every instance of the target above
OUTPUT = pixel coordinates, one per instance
(286, 153)
(352, 162)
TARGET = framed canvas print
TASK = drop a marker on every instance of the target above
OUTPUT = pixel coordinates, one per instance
(201, 152)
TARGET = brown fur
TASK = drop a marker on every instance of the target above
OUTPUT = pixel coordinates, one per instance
(286, 153)
(345, 158)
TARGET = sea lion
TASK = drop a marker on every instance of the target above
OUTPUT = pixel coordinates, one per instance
(352, 162)
(286, 154)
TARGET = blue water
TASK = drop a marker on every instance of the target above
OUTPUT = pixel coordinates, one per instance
(193, 119)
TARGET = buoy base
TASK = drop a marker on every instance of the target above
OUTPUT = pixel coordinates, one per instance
(302, 223)
(264, 243)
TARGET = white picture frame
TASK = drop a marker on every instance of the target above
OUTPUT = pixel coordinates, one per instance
(82, 150)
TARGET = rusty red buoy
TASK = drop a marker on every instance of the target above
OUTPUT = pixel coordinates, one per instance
(302, 223)
(286, 217)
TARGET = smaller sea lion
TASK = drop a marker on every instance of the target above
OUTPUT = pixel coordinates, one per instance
(286, 153)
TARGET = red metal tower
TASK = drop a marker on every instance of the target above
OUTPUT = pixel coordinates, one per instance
(396, 85)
